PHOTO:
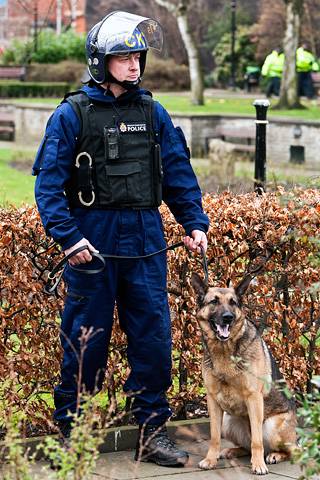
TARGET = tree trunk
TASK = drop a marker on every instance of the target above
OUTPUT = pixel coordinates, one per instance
(195, 71)
(289, 92)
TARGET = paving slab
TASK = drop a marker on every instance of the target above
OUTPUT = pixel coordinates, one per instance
(121, 466)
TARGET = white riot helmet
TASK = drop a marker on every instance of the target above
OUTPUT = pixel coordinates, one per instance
(120, 33)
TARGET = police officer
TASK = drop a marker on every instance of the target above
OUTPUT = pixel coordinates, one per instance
(109, 156)
(272, 68)
(306, 64)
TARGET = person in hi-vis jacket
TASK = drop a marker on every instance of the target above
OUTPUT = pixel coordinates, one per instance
(306, 64)
(272, 69)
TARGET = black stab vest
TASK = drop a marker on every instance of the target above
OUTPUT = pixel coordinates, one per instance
(118, 158)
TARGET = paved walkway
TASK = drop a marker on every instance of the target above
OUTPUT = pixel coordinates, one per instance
(121, 466)
(116, 460)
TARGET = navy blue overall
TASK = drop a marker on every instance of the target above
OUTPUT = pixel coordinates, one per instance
(138, 287)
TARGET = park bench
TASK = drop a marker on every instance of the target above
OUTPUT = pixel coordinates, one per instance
(6, 126)
(243, 138)
(12, 73)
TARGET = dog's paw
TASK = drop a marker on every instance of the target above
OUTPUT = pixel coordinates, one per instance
(259, 469)
(207, 464)
(276, 457)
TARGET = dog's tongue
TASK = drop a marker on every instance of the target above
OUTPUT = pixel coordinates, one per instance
(223, 331)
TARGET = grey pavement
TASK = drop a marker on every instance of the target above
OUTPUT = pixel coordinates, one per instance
(121, 466)
(116, 460)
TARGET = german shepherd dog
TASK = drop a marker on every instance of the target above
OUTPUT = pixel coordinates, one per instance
(245, 405)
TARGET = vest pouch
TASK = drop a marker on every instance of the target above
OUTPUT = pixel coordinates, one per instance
(124, 183)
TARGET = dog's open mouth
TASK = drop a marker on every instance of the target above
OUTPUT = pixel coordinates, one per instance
(223, 332)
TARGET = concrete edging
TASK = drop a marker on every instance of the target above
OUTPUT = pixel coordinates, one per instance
(124, 438)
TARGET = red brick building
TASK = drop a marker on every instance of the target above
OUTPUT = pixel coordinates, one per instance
(20, 18)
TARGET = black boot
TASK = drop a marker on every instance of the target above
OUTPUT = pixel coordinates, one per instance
(155, 446)
(64, 430)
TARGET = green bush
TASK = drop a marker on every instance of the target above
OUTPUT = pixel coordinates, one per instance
(244, 56)
(9, 89)
(18, 53)
(51, 48)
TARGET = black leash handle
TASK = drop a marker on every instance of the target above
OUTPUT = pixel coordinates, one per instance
(59, 265)
(205, 265)
(54, 278)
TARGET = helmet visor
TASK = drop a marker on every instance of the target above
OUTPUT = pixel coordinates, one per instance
(122, 32)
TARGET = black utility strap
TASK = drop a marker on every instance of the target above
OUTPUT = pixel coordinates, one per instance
(85, 177)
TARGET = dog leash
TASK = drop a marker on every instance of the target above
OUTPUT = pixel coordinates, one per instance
(54, 276)
(205, 266)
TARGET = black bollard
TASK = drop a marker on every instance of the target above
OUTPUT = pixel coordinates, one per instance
(260, 157)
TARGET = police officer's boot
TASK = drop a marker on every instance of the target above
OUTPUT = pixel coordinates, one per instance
(65, 431)
(154, 445)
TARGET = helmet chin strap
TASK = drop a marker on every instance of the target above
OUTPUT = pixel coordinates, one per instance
(125, 84)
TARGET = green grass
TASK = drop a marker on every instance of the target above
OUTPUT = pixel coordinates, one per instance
(16, 186)
(228, 106)
(290, 174)
(277, 174)
(52, 101)
(237, 105)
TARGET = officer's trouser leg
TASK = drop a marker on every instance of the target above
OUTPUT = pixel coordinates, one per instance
(89, 303)
(300, 84)
(276, 85)
(309, 87)
(144, 316)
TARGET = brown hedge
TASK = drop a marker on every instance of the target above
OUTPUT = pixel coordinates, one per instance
(273, 237)
(160, 74)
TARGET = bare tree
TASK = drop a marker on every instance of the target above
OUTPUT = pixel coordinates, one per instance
(289, 92)
(180, 11)
(73, 14)
(59, 17)
(268, 32)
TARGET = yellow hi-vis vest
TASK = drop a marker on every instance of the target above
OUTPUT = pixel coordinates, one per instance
(273, 65)
(306, 61)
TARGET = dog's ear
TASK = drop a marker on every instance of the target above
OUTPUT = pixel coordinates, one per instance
(242, 287)
(229, 283)
(199, 286)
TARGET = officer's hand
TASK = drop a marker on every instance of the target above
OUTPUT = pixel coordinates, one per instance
(198, 239)
(83, 256)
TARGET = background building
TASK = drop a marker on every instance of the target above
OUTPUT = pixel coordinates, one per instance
(22, 18)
